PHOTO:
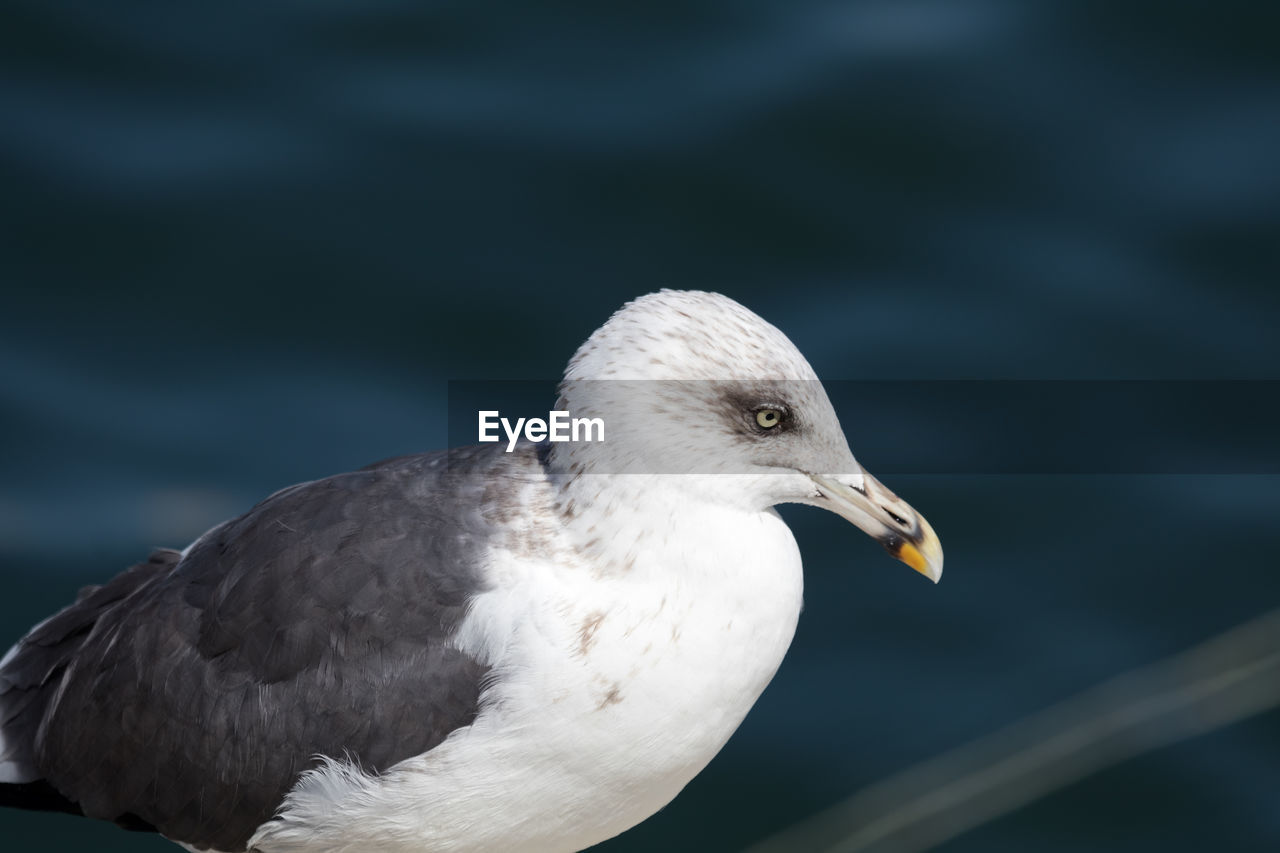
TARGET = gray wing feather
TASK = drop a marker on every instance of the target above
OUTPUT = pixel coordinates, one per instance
(190, 695)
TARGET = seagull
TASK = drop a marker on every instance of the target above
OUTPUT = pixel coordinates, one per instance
(486, 648)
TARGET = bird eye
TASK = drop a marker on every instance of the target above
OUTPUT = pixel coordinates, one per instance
(768, 418)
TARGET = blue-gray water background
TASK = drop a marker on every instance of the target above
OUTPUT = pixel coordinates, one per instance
(248, 244)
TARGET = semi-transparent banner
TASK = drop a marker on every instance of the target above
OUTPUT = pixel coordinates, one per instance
(892, 427)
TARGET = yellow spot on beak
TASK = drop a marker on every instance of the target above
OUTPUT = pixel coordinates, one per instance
(911, 555)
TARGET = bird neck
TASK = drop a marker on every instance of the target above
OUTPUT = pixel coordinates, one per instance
(628, 523)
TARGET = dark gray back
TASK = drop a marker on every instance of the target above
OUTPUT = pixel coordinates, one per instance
(318, 623)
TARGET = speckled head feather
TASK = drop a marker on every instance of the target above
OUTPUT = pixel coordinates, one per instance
(687, 335)
(678, 378)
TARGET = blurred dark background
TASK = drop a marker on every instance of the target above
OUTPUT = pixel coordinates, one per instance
(248, 244)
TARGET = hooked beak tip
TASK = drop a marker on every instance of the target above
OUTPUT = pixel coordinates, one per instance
(868, 504)
(913, 557)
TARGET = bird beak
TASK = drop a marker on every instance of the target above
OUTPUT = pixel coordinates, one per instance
(878, 512)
